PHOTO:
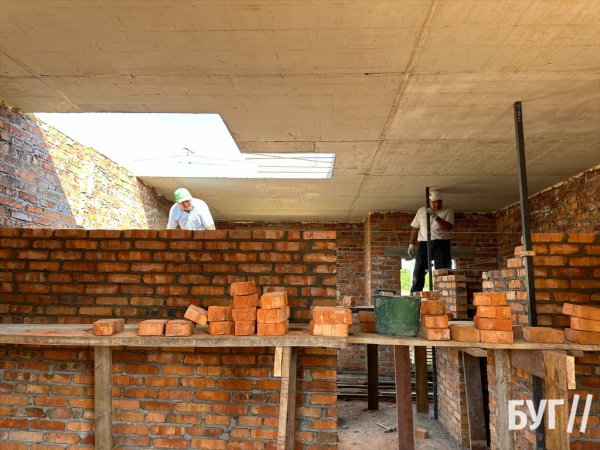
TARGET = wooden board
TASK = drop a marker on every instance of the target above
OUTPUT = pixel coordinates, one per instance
(556, 382)
(84, 335)
(421, 380)
(287, 399)
(375, 338)
(503, 395)
(474, 391)
(372, 377)
(406, 439)
(103, 397)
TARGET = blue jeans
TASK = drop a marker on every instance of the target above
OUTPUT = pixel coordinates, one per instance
(440, 253)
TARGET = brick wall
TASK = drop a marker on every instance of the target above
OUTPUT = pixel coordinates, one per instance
(49, 181)
(196, 398)
(452, 400)
(204, 398)
(571, 206)
(74, 276)
(566, 269)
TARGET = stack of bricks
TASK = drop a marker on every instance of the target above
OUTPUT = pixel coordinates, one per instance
(330, 321)
(245, 303)
(434, 320)
(585, 324)
(220, 320)
(453, 287)
(367, 322)
(273, 314)
(493, 319)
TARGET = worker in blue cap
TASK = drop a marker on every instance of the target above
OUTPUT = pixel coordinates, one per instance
(442, 222)
(189, 213)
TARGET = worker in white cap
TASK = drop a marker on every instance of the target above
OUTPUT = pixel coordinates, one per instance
(442, 222)
(189, 213)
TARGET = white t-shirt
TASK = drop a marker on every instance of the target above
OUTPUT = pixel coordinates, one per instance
(420, 222)
(198, 218)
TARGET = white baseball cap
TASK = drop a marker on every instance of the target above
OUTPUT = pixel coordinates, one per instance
(435, 196)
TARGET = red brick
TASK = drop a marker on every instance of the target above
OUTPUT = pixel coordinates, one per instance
(489, 299)
(582, 337)
(245, 301)
(108, 327)
(366, 316)
(179, 327)
(273, 300)
(494, 312)
(325, 329)
(543, 334)
(243, 288)
(244, 315)
(309, 235)
(196, 314)
(433, 307)
(218, 328)
(152, 327)
(464, 333)
(583, 311)
(434, 321)
(277, 315)
(331, 315)
(494, 324)
(432, 295)
(368, 327)
(272, 329)
(495, 336)
(245, 328)
(578, 323)
(435, 334)
(220, 313)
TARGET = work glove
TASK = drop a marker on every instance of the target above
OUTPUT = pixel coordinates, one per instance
(411, 251)
(432, 213)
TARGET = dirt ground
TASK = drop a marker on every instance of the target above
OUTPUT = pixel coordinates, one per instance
(358, 429)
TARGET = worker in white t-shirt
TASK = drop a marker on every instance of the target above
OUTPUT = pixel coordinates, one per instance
(442, 222)
(189, 213)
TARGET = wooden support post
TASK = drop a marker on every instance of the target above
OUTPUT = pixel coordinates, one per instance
(287, 399)
(406, 439)
(421, 380)
(474, 391)
(372, 377)
(558, 366)
(503, 395)
(277, 362)
(103, 397)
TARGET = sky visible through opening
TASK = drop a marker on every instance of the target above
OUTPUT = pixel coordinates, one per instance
(181, 145)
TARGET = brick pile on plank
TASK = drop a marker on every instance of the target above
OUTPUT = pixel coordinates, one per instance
(273, 315)
(434, 320)
(585, 324)
(245, 304)
(366, 321)
(493, 318)
(330, 321)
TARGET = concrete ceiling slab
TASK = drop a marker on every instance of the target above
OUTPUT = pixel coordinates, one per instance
(406, 94)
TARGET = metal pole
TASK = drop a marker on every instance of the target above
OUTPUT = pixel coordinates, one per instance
(529, 280)
(430, 272)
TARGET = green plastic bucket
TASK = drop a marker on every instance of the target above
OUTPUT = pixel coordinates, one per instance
(396, 315)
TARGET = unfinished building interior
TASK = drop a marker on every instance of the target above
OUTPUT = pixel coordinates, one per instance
(408, 95)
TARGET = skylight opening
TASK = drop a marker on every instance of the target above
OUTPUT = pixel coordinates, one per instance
(182, 145)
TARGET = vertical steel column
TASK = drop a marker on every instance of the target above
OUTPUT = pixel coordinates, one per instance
(529, 280)
(430, 272)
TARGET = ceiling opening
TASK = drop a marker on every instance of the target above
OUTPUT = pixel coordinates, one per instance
(181, 145)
